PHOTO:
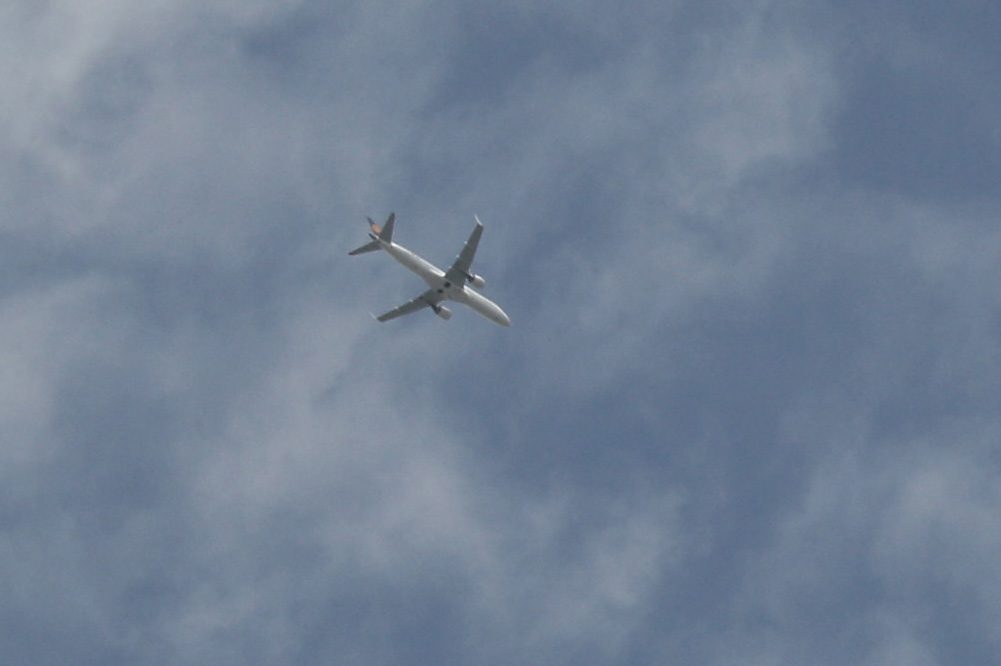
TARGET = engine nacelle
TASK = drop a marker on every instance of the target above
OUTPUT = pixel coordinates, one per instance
(478, 281)
(443, 312)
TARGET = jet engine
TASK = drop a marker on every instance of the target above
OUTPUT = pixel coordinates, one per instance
(478, 281)
(443, 312)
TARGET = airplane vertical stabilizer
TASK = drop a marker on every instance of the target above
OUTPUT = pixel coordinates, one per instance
(379, 235)
(385, 232)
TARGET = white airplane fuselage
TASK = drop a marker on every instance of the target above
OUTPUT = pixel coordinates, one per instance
(435, 279)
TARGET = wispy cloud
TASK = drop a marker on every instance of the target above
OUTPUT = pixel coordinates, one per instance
(744, 414)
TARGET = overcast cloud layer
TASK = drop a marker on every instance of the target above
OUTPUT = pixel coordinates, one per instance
(747, 412)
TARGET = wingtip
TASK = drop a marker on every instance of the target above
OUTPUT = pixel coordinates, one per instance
(476, 217)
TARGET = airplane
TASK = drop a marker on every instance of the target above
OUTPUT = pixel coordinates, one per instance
(455, 284)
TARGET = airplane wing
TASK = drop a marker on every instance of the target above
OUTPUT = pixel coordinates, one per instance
(459, 272)
(429, 298)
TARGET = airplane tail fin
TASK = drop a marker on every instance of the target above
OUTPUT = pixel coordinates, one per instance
(379, 235)
(385, 232)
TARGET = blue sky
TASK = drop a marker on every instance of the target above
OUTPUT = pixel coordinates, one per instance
(746, 413)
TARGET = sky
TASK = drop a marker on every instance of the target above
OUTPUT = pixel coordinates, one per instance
(747, 411)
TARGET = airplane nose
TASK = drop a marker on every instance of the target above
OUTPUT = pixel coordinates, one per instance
(504, 319)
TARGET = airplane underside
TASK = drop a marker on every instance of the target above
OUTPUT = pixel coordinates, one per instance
(454, 285)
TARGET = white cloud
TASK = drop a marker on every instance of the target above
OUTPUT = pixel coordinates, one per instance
(196, 173)
(44, 334)
(862, 564)
(379, 487)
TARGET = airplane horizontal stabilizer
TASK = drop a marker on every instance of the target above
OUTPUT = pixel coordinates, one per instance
(371, 246)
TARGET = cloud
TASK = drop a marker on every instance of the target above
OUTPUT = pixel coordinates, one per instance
(864, 568)
(744, 412)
